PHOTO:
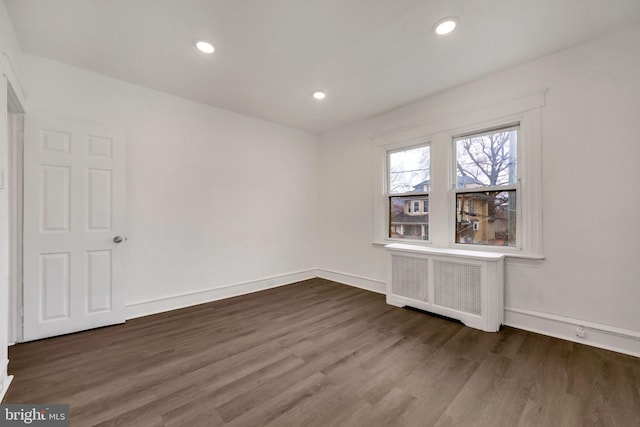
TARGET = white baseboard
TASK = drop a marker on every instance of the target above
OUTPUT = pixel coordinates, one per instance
(5, 386)
(597, 335)
(6, 379)
(174, 302)
(352, 280)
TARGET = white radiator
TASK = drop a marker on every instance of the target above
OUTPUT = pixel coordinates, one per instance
(463, 285)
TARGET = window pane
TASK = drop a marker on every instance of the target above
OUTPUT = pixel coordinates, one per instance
(487, 159)
(405, 222)
(486, 218)
(409, 170)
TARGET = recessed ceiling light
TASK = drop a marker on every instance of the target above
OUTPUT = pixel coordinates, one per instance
(204, 46)
(319, 95)
(445, 26)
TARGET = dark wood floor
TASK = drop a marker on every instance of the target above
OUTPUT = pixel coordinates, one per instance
(322, 354)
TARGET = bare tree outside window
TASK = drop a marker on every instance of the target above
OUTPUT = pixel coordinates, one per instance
(487, 160)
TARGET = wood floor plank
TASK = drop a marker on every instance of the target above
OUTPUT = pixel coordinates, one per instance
(318, 353)
(435, 384)
(356, 415)
(563, 410)
(214, 395)
(267, 411)
(388, 410)
(257, 397)
(200, 416)
(476, 405)
(608, 388)
(318, 410)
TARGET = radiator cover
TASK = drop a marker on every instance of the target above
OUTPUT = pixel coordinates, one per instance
(464, 285)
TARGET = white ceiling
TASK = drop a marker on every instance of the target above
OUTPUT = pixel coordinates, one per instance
(370, 56)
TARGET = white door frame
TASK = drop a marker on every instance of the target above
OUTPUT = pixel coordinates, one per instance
(11, 98)
(15, 122)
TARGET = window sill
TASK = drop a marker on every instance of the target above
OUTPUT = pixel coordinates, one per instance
(507, 252)
(401, 247)
(417, 243)
(426, 247)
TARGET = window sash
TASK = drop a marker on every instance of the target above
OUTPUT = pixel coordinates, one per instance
(473, 215)
(515, 187)
(414, 224)
(485, 132)
(511, 187)
(409, 146)
(478, 134)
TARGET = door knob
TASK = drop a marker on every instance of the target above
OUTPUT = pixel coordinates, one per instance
(117, 239)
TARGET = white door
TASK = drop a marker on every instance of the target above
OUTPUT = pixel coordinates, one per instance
(74, 211)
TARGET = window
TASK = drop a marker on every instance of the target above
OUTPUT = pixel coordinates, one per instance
(486, 177)
(484, 192)
(408, 184)
(470, 206)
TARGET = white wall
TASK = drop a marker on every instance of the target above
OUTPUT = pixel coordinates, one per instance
(591, 126)
(214, 198)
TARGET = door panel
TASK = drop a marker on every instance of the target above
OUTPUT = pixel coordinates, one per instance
(99, 199)
(56, 198)
(55, 292)
(99, 283)
(74, 193)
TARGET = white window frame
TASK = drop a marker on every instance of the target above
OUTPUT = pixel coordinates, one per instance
(527, 111)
